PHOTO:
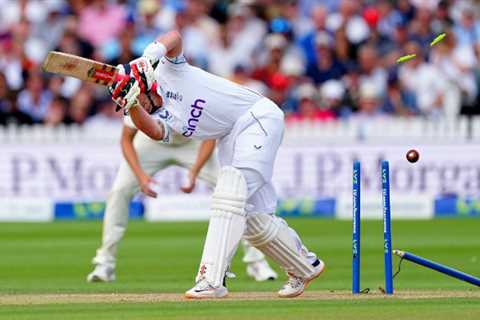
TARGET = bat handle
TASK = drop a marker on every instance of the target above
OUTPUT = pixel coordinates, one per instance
(154, 87)
(120, 77)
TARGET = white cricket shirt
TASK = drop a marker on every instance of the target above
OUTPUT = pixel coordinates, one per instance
(200, 104)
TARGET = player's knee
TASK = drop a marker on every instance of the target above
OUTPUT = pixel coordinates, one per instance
(253, 179)
(279, 113)
(119, 193)
(261, 229)
(230, 193)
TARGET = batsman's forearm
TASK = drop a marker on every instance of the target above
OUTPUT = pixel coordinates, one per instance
(204, 153)
(173, 43)
(169, 44)
(145, 123)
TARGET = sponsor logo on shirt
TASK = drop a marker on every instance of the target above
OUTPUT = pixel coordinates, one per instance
(174, 96)
(195, 113)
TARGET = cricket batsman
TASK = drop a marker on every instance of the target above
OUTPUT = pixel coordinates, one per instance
(249, 129)
(143, 157)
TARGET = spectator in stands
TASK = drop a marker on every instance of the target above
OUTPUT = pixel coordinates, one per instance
(247, 30)
(420, 29)
(80, 105)
(332, 95)
(351, 81)
(241, 76)
(343, 50)
(198, 11)
(146, 27)
(350, 41)
(398, 100)
(165, 16)
(467, 31)
(426, 4)
(195, 45)
(306, 6)
(71, 42)
(9, 114)
(400, 36)
(35, 99)
(279, 88)
(348, 15)
(56, 112)
(371, 70)
(319, 18)
(282, 27)
(276, 45)
(382, 43)
(300, 24)
(13, 62)
(101, 21)
(406, 11)
(223, 57)
(370, 101)
(389, 18)
(308, 107)
(106, 117)
(121, 50)
(457, 63)
(5, 103)
(326, 65)
(443, 20)
(55, 84)
(429, 85)
(34, 48)
(294, 70)
(53, 21)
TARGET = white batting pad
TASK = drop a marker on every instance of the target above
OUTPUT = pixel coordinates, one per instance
(274, 238)
(226, 226)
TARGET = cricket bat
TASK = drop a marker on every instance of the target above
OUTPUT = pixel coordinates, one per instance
(81, 68)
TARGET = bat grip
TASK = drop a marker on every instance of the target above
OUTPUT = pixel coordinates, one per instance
(120, 77)
(154, 87)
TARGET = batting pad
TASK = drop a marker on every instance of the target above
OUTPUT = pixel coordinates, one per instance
(226, 225)
(274, 239)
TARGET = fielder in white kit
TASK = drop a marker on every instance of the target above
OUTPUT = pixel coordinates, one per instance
(143, 157)
(249, 129)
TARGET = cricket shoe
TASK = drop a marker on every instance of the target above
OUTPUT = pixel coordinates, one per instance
(261, 271)
(102, 273)
(203, 290)
(296, 285)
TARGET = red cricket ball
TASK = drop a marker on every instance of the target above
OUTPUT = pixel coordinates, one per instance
(413, 155)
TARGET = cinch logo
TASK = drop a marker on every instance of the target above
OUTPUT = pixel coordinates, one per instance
(195, 114)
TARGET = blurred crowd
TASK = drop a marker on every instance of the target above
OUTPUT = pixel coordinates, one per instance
(317, 59)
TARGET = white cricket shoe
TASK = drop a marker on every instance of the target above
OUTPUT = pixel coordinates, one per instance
(203, 290)
(261, 271)
(102, 273)
(296, 285)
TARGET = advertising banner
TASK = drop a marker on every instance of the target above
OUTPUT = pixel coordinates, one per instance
(311, 180)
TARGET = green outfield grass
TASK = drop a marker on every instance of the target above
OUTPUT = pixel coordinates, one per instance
(163, 257)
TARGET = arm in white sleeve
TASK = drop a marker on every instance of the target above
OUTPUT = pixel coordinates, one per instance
(168, 44)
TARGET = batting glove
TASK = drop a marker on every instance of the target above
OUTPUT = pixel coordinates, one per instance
(142, 71)
(125, 93)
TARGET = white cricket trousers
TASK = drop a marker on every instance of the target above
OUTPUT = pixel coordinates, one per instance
(153, 157)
